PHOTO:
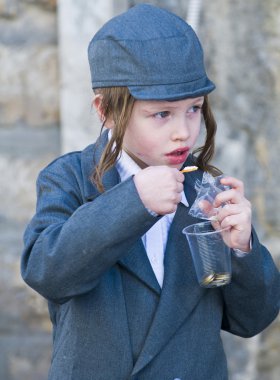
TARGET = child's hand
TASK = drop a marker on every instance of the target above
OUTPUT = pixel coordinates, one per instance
(236, 214)
(160, 188)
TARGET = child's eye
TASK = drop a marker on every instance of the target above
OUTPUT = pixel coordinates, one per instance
(194, 109)
(162, 114)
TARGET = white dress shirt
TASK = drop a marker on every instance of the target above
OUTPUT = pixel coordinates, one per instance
(155, 239)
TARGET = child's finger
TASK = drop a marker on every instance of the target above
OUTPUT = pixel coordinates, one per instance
(205, 206)
(231, 196)
(233, 209)
(238, 221)
(207, 209)
(234, 183)
(179, 176)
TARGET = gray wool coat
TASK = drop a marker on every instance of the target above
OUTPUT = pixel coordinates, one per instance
(111, 320)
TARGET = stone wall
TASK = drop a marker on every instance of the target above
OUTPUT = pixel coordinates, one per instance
(29, 138)
(45, 109)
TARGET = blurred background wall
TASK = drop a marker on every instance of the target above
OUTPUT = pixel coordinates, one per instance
(45, 110)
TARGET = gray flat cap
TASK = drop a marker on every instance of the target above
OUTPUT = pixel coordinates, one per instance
(153, 52)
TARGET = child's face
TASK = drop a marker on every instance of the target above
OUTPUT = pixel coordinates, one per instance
(162, 132)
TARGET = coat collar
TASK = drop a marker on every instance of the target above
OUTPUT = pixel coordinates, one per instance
(89, 157)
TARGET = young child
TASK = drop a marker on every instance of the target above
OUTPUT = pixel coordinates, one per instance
(106, 247)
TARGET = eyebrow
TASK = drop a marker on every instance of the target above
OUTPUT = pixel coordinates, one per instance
(166, 105)
(158, 107)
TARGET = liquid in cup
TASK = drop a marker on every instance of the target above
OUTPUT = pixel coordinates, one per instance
(211, 256)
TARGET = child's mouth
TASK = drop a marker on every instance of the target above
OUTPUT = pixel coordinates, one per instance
(177, 156)
(178, 153)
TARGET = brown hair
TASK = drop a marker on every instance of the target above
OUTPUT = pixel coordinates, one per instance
(117, 105)
(206, 152)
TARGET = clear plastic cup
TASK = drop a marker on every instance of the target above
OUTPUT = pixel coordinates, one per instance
(211, 256)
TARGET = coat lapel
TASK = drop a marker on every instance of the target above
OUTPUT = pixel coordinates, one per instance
(180, 292)
(136, 261)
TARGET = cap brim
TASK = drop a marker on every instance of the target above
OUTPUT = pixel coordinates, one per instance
(173, 92)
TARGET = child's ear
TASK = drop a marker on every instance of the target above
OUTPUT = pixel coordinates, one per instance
(97, 104)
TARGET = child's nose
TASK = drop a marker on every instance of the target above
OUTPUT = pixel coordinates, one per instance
(181, 130)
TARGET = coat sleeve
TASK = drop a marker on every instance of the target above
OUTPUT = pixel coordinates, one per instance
(69, 245)
(252, 299)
